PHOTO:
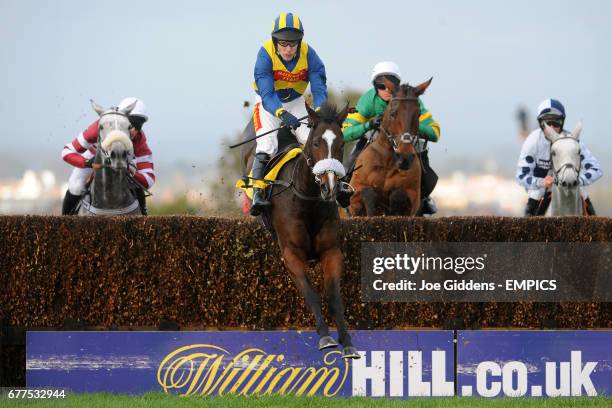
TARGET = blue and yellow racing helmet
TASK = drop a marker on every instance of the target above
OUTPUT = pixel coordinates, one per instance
(287, 27)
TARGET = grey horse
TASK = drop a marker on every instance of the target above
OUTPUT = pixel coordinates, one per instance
(565, 165)
(110, 192)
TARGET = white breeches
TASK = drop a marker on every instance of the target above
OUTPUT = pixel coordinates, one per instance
(264, 121)
(77, 180)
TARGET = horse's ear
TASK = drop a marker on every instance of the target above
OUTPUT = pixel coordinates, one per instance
(312, 114)
(420, 89)
(577, 130)
(389, 85)
(128, 108)
(99, 110)
(341, 116)
(549, 133)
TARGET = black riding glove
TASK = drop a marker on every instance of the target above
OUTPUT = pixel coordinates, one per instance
(89, 163)
(374, 124)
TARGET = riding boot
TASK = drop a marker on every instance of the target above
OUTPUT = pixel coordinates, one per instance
(142, 200)
(70, 203)
(531, 208)
(344, 194)
(259, 200)
(429, 206)
(429, 178)
(589, 207)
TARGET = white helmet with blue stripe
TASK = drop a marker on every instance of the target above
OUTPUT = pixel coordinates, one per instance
(550, 108)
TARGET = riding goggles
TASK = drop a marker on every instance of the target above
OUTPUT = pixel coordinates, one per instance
(379, 86)
(379, 83)
(553, 123)
(288, 44)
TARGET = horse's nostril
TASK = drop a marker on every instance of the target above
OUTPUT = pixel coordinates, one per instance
(113, 155)
(564, 184)
(575, 183)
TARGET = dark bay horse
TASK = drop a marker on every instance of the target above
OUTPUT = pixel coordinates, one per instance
(110, 192)
(387, 179)
(304, 215)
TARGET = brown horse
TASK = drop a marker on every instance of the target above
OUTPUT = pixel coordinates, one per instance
(387, 179)
(304, 215)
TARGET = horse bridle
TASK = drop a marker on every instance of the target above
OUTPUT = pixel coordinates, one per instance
(105, 155)
(405, 137)
(291, 184)
(558, 171)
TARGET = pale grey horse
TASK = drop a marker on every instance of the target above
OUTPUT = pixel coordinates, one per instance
(110, 192)
(565, 165)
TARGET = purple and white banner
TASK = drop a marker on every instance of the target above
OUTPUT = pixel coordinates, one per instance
(534, 363)
(394, 363)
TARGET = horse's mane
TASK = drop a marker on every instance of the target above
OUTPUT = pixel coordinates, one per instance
(328, 111)
(406, 88)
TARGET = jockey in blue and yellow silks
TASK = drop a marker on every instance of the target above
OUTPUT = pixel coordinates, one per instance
(285, 66)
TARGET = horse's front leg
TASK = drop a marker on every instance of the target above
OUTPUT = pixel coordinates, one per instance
(399, 202)
(332, 262)
(369, 196)
(295, 259)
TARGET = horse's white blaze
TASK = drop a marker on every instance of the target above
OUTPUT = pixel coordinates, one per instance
(329, 137)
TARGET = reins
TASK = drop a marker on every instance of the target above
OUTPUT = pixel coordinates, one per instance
(291, 183)
(556, 172)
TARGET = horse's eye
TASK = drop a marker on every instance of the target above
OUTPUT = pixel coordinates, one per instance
(101, 127)
(316, 145)
(554, 153)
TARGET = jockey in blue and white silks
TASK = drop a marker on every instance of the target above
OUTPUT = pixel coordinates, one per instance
(285, 66)
(534, 165)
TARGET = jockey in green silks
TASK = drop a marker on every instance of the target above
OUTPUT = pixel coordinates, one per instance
(367, 118)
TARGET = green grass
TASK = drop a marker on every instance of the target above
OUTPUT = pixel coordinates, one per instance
(161, 400)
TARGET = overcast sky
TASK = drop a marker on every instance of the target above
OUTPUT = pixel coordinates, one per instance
(192, 64)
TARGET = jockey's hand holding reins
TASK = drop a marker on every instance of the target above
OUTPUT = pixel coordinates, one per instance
(299, 120)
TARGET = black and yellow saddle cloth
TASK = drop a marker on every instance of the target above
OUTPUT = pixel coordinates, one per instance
(276, 164)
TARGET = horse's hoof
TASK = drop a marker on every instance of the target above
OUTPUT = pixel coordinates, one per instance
(327, 342)
(350, 352)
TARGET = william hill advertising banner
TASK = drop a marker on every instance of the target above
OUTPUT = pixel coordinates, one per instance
(534, 363)
(393, 363)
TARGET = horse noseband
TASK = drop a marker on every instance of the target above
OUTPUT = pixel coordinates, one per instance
(560, 169)
(405, 138)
